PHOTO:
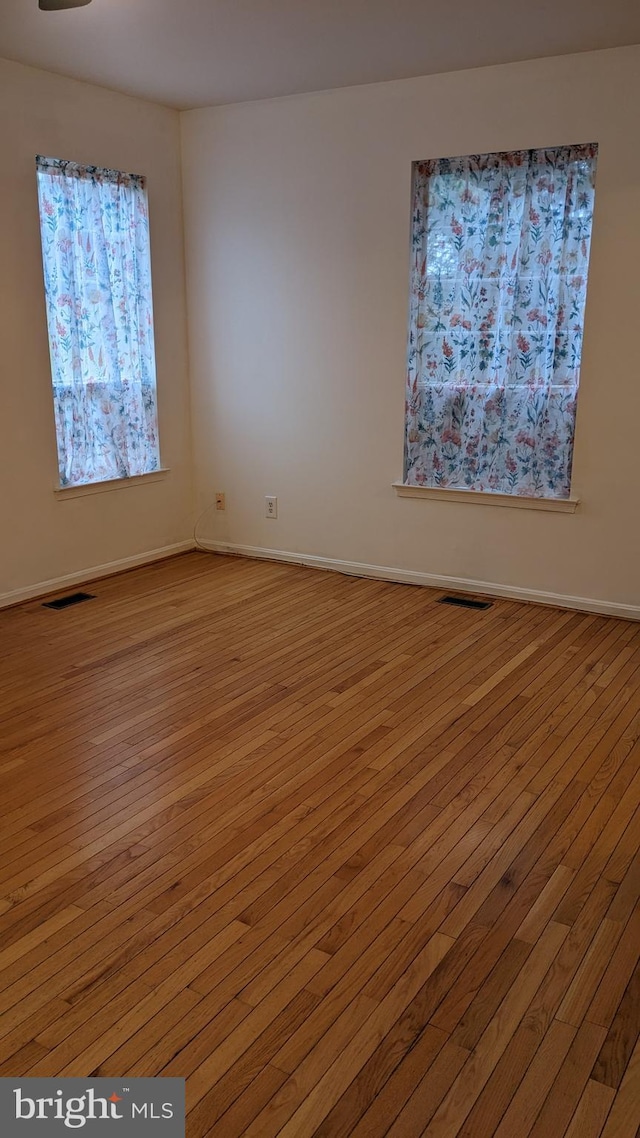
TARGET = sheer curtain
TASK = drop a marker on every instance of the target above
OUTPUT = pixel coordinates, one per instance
(97, 272)
(500, 254)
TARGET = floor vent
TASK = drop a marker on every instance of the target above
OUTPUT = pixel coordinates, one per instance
(465, 602)
(64, 602)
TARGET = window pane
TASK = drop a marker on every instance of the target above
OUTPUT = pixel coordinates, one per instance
(97, 273)
(500, 254)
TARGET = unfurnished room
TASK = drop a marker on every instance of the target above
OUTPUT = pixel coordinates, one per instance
(320, 568)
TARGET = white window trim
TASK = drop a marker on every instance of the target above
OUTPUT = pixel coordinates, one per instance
(487, 498)
(84, 488)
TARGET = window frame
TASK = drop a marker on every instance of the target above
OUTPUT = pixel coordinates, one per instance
(577, 157)
(94, 231)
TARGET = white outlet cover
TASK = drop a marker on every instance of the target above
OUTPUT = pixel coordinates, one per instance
(271, 506)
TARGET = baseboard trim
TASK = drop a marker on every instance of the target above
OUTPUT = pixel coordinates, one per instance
(350, 568)
(430, 580)
(93, 573)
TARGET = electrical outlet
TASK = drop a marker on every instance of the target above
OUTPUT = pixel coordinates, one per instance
(220, 502)
(271, 506)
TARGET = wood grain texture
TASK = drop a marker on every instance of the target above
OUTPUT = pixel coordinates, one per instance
(351, 862)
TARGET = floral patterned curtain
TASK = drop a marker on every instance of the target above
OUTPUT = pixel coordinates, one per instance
(97, 272)
(500, 253)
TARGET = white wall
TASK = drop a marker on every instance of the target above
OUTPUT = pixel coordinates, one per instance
(297, 216)
(42, 537)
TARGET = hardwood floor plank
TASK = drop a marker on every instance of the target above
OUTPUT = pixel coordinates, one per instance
(490, 994)
(516, 1095)
(562, 1101)
(623, 1033)
(623, 1119)
(235, 1093)
(429, 1093)
(320, 1086)
(579, 995)
(591, 1112)
(367, 1085)
(460, 1099)
(614, 981)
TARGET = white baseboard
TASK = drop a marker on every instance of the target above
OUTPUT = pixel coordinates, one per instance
(431, 580)
(42, 588)
(352, 568)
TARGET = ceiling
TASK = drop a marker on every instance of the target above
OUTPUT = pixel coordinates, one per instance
(191, 53)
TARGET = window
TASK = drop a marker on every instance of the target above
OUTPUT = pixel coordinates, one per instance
(97, 274)
(500, 253)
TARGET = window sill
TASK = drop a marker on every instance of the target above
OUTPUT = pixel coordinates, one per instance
(111, 484)
(487, 498)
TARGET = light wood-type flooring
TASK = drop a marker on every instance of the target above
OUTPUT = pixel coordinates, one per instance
(353, 862)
